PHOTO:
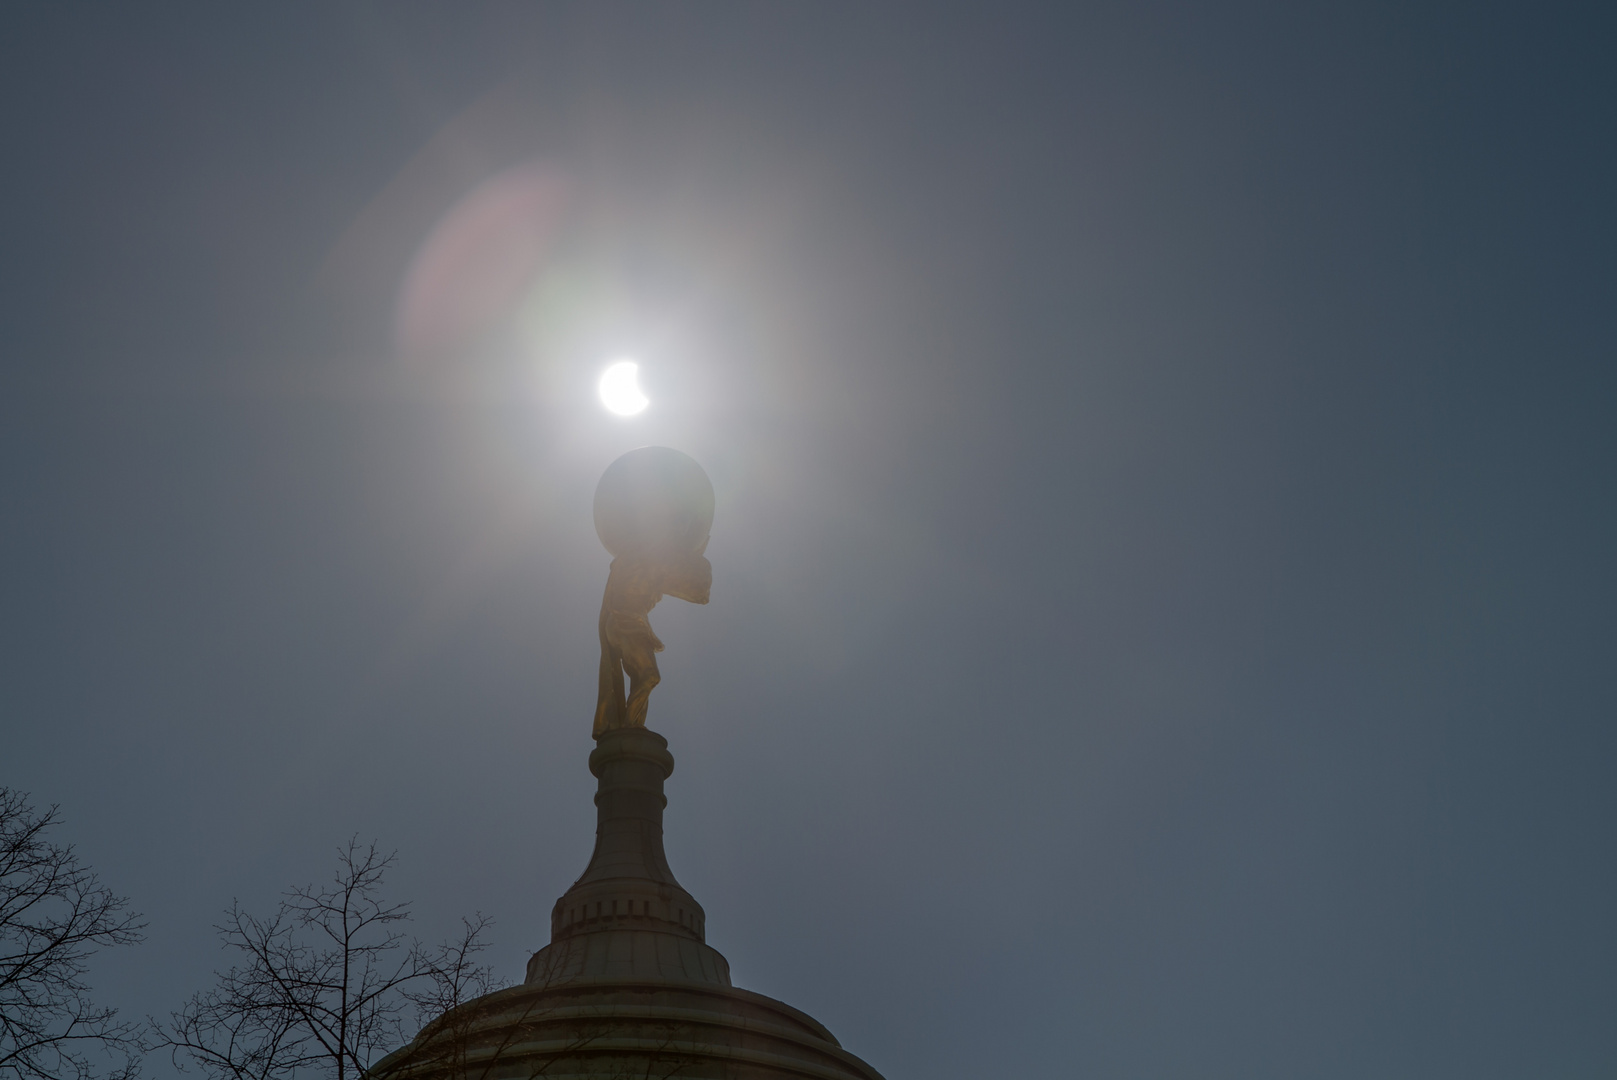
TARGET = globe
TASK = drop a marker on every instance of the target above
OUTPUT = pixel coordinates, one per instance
(654, 501)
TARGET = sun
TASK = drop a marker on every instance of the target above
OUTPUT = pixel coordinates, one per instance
(620, 389)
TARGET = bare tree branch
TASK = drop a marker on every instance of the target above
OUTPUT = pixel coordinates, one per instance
(54, 914)
(454, 976)
(323, 984)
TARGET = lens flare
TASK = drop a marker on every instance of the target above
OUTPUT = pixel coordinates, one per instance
(620, 389)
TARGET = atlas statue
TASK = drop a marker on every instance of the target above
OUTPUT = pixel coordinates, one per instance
(653, 512)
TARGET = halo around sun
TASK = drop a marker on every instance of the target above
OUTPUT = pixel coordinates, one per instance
(620, 389)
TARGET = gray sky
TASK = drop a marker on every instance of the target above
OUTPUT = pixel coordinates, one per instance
(1162, 611)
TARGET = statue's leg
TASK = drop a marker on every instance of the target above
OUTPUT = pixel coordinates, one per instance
(609, 692)
(609, 697)
(641, 664)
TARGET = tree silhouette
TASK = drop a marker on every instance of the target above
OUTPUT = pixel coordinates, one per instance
(54, 914)
(324, 983)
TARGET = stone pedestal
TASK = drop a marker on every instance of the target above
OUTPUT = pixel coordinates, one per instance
(626, 916)
(628, 986)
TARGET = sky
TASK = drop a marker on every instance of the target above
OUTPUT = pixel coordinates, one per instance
(1162, 617)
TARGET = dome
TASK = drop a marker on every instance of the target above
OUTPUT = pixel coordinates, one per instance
(628, 986)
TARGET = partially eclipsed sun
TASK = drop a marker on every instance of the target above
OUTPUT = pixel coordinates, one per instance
(620, 389)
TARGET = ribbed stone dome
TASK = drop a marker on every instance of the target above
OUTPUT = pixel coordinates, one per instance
(628, 986)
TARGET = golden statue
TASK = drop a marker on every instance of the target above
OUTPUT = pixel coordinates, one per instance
(653, 512)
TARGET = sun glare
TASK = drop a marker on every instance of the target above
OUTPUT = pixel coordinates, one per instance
(620, 389)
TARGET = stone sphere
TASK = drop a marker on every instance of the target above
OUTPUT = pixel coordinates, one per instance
(654, 501)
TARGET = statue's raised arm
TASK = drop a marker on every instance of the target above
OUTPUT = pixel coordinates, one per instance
(653, 512)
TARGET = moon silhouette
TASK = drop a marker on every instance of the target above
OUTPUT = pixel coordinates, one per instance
(620, 389)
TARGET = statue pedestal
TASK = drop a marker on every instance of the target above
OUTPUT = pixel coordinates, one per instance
(627, 985)
(626, 916)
